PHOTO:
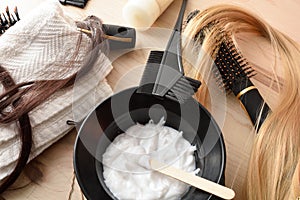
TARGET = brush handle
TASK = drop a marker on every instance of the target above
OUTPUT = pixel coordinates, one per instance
(252, 102)
(171, 69)
(125, 37)
(72, 3)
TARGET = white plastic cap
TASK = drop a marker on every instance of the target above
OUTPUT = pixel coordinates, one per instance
(141, 14)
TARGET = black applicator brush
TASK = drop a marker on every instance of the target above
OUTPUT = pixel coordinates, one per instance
(235, 74)
(164, 74)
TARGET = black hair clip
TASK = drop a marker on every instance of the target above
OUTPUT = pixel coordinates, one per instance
(119, 37)
(8, 19)
(77, 3)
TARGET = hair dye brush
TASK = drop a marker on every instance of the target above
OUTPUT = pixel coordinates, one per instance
(235, 73)
(163, 74)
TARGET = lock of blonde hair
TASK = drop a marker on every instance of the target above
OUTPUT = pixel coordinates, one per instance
(274, 166)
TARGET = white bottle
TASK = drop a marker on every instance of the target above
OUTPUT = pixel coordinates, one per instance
(141, 14)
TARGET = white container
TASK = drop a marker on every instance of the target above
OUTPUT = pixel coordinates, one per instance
(141, 14)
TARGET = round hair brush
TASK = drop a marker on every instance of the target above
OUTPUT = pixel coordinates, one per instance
(234, 72)
(7, 19)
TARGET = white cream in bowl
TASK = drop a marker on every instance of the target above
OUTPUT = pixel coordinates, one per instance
(125, 168)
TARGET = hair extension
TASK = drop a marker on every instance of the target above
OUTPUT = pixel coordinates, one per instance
(24, 127)
(273, 171)
(19, 99)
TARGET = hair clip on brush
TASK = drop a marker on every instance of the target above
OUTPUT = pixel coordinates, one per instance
(119, 37)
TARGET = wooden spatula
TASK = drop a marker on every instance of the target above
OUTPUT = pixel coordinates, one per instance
(191, 179)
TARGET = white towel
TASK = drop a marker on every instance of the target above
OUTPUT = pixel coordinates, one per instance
(33, 49)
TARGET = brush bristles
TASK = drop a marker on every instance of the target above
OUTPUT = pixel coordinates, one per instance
(191, 15)
(232, 67)
(16, 13)
(200, 36)
(7, 19)
(184, 89)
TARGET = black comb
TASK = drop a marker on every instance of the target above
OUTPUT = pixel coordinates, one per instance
(163, 75)
(150, 72)
(234, 73)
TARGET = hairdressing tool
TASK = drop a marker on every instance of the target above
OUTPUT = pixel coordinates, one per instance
(7, 19)
(236, 72)
(163, 74)
(191, 179)
(143, 13)
(4, 21)
(16, 13)
(77, 3)
(8, 15)
(119, 37)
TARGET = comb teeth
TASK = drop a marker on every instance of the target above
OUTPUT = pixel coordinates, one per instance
(150, 72)
(155, 57)
(232, 68)
(168, 79)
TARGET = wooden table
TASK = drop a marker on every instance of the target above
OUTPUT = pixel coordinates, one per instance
(50, 175)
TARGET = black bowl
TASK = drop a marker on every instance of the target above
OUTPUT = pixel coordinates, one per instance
(117, 113)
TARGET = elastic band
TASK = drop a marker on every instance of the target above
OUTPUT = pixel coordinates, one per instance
(244, 91)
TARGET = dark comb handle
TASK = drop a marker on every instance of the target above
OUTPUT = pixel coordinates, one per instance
(124, 37)
(251, 101)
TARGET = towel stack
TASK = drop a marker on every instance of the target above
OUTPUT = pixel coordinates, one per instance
(36, 48)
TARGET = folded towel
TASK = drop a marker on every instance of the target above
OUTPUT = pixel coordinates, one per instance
(37, 48)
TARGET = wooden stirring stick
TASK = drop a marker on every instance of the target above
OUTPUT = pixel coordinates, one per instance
(191, 179)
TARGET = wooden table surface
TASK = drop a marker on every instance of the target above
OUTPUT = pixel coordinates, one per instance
(50, 175)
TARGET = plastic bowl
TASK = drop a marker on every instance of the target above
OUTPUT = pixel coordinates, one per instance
(122, 110)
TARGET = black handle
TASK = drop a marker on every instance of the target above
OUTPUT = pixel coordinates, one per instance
(120, 37)
(73, 3)
(74, 123)
(253, 102)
